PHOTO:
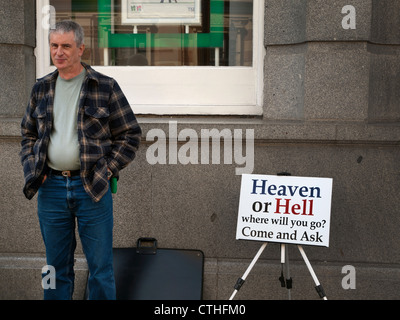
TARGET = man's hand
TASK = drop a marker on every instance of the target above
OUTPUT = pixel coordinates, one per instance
(109, 174)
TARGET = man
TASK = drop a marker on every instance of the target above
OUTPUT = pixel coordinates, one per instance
(77, 132)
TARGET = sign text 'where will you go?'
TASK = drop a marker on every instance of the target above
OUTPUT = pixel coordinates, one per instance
(285, 209)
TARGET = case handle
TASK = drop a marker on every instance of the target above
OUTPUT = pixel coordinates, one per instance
(146, 246)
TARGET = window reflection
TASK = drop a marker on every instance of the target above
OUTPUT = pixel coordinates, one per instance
(223, 36)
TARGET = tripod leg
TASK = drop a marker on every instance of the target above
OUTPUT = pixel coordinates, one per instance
(282, 278)
(318, 287)
(288, 277)
(241, 280)
(285, 261)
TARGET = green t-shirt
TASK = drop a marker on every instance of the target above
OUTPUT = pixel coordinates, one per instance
(63, 150)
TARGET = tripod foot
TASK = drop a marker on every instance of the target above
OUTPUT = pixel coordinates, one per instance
(318, 287)
(239, 284)
(321, 292)
(241, 280)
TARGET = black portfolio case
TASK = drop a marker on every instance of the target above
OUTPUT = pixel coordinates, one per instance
(150, 273)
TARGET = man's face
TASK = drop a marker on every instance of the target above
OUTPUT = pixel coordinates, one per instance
(65, 54)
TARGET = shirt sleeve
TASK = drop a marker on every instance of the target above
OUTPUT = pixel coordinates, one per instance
(125, 130)
(29, 135)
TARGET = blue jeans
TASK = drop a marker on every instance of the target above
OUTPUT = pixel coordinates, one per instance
(62, 202)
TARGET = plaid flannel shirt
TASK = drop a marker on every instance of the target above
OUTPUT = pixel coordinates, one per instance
(108, 132)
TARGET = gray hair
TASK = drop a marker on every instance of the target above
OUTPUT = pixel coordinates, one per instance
(68, 26)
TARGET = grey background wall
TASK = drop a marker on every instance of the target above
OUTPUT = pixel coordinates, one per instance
(331, 109)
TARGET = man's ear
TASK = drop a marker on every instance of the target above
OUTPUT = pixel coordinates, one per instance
(81, 50)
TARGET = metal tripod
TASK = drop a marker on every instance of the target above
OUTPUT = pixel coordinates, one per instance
(284, 260)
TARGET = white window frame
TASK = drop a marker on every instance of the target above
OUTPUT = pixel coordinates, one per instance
(202, 90)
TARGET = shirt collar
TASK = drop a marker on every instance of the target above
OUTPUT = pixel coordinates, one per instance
(91, 74)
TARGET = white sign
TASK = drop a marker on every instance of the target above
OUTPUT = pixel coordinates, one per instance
(285, 209)
(144, 12)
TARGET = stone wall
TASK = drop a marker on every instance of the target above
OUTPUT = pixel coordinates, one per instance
(331, 109)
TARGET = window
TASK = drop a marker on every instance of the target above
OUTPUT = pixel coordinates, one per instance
(170, 57)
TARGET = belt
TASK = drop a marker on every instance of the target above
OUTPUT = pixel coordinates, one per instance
(66, 173)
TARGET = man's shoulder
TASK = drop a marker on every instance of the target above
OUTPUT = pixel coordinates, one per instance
(101, 78)
(44, 83)
(47, 78)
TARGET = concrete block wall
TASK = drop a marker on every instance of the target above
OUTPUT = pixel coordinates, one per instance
(17, 63)
(331, 109)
